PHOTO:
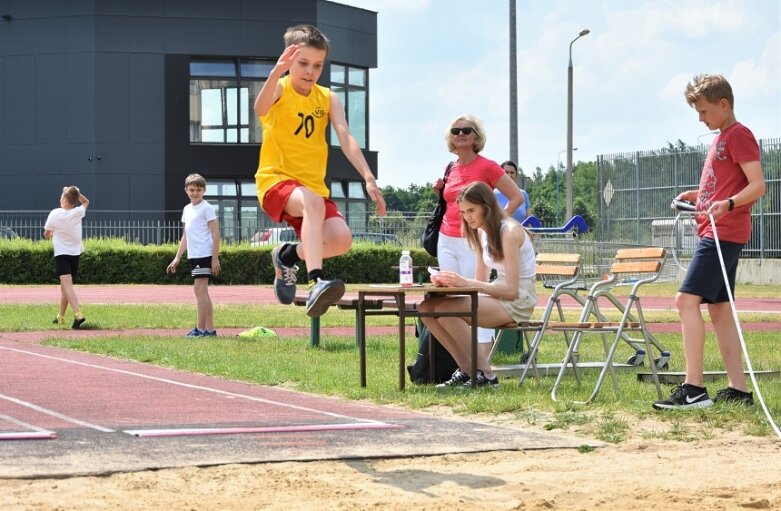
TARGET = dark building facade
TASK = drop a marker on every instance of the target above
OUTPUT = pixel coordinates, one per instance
(124, 98)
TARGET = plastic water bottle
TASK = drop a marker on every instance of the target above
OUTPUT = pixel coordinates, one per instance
(405, 269)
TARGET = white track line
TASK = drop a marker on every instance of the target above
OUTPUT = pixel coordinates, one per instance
(55, 414)
(191, 386)
(23, 424)
(272, 429)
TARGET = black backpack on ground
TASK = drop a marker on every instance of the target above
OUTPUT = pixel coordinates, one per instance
(444, 365)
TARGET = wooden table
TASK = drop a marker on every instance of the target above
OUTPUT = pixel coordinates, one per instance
(403, 311)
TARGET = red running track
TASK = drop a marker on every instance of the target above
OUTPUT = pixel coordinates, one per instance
(263, 295)
(55, 389)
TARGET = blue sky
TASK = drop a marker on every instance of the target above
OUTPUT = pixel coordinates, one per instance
(441, 58)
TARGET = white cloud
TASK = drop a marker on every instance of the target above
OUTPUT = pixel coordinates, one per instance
(448, 57)
(760, 79)
(672, 91)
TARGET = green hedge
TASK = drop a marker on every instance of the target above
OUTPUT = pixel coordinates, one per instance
(114, 261)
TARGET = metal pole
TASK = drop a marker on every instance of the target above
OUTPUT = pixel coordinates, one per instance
(558, 202)
(513, 87)
(569, 126)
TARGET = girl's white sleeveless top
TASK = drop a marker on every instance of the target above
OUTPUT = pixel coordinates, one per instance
(526, 259)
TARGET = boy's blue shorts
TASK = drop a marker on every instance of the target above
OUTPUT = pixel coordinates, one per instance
(201, 267)
(704, 277)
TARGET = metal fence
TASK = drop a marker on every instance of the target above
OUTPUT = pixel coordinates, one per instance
(635, 190)
(147, 227)
(159, 227)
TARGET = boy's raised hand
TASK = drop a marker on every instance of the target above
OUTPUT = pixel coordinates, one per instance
(285, 61)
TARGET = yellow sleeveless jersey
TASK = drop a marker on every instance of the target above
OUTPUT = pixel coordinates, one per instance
(294, 145)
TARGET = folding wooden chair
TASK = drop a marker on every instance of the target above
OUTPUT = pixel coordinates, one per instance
(559, 273)
(636, 266)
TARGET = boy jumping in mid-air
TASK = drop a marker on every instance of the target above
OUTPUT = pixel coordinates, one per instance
(63, 225)
(295, 111)
(731, 181)
(201, 238)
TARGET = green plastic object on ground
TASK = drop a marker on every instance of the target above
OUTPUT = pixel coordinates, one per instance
(258, 331)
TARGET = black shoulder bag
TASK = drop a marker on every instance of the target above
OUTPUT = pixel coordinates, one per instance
(430, 236)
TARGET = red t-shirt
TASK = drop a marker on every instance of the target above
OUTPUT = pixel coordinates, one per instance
(722, 177)
(479, 169)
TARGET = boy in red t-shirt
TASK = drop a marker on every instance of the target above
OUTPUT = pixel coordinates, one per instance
(731, 181)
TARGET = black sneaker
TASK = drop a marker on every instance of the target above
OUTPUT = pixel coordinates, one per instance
(284, 277)
(77, 322)
(459, 378)
(730, 395)
(685, 396)
(323, 294)
(482, 381)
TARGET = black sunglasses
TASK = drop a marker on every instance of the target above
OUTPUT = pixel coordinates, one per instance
(458, 131)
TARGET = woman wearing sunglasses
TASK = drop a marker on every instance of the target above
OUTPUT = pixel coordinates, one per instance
(466, 139)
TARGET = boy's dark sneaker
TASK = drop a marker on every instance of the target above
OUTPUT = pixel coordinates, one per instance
(58, 320)
(207, 333)
(459, 378)
(323, 294)
(284, 277)
(730, 395)
(685, 396)
(77, 322)
(482, 381)
(195, 333)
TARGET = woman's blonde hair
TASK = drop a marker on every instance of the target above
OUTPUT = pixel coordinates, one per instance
(481, 194)
(476, 124)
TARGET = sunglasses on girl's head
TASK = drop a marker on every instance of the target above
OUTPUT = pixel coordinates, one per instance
(458, 131)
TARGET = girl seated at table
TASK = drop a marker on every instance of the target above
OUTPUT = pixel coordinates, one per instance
(500, 244)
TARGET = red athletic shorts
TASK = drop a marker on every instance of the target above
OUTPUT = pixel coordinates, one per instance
(274, 205)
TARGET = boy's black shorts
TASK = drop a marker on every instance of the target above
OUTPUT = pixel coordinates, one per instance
(704, 277)
(66, 265)
(201, 267)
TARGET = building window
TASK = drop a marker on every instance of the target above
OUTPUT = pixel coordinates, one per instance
(350, 197)
(222, 96)
(351, 85)
(236, 204)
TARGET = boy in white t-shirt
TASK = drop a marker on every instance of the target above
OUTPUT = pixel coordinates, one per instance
(63, 225)
(201, 237)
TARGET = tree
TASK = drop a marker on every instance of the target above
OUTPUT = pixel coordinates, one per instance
(415, 198)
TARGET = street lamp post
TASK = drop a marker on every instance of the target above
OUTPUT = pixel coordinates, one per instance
(558, 170)
(513, 87)
(569, 124)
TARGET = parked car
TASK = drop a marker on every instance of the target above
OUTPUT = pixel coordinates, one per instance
(377, 238)
(274, 236)
(7, 233)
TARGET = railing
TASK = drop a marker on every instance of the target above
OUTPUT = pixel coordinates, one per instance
(159, 227)
(636, 190)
